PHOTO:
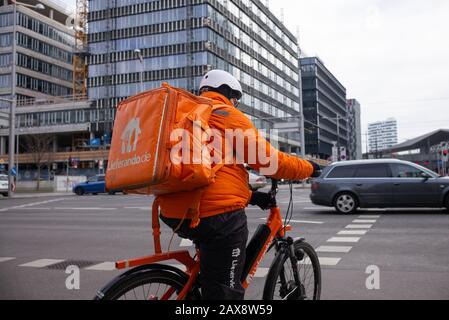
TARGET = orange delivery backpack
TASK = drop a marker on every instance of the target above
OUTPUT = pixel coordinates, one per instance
(140, 158)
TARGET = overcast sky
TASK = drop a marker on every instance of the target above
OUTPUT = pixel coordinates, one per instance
(393, 56)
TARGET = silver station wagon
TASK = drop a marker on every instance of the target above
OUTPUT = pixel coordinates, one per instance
(350, 185)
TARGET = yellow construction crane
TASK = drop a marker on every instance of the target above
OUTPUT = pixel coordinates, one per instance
(81, 50)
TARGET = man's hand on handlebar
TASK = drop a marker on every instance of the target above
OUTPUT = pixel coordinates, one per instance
(316, 169)
(262, 200)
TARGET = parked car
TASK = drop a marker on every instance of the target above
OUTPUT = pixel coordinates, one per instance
(4, 185)
(94, 185)
(257, 182)
(379, 184)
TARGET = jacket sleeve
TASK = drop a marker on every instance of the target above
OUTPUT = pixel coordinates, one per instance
(261, 158)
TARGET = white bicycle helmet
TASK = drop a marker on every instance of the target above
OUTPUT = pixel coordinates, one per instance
(217, 78)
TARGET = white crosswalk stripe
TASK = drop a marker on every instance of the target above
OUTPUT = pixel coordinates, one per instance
(364, 221)
(5, 259)
(333, 249)
(41, 263)
(344, 239)
(359, 226)
(105, 266)
(324, 261)
(186, 243)
(352, 233)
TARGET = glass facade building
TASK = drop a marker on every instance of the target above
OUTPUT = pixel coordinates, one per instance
(324, 109)
(180, 40)
(43, 52)
(354, 130)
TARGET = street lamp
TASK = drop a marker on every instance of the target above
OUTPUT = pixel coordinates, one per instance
(139, 53)
(12, 117)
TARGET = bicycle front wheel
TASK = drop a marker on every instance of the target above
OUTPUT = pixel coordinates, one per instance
(281, 283)
(148, 285)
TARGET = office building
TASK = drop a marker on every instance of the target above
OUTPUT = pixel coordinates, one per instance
(324, 109)
(354, 130)
(382, 135)
(40, 46)
(136, 45)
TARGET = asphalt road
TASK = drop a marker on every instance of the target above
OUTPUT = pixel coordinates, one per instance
(40, 237)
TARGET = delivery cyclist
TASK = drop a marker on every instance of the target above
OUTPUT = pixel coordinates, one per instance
(222, 233)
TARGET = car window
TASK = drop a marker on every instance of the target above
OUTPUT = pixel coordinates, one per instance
(3, 178)
(342, 172)
(101, 178)
(405, 171)
(92, 179)
(378, 170)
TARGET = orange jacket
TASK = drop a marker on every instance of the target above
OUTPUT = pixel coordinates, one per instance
(230, 192)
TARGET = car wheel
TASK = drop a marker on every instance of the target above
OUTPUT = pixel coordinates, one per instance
(79, 191)
(111, 193)
(95, 194)
(346, 203)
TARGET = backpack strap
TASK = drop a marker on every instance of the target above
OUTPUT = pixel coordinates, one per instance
(156, 227)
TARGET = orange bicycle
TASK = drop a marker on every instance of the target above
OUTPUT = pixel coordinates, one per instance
(295, 273)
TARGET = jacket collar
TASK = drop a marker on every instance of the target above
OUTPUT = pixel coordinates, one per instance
(217, 97)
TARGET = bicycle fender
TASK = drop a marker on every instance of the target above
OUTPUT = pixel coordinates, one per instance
(178, 272)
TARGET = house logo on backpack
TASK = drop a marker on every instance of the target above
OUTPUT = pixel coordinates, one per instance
(130, 137)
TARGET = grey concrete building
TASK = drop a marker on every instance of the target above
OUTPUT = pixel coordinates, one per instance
(135, 45)
(354, 130)
(382, 135)
(324, 109)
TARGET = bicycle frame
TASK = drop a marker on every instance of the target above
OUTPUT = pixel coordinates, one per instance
(192, 264)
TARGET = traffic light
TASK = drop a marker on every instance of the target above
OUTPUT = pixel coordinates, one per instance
(445, 155)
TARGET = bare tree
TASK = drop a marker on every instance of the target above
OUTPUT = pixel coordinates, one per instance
(39, 146)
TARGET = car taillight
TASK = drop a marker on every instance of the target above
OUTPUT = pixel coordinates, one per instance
(315, 186)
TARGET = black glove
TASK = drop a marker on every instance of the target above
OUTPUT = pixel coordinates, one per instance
(261, 199)
(316, 169)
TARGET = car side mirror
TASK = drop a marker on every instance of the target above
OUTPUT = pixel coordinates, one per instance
(425, 176)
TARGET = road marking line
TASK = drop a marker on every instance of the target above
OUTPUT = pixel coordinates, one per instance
(288, 202)
(261, 272)
(138, 208)
(105, 266)
(369, 217)
(32, 204)
(359, 226)
(334, 249)
(186, 243)
(35, 208)
(41, 263)
(330, 262)
(352, 233)
(301, 221)
(364, 221)
(344, 239)
(87, 209)
(315, 208)
(4, 259)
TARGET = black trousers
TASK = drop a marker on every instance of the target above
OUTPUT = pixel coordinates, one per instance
(222, 243)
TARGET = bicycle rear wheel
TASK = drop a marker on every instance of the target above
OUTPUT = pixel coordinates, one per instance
(281, 283)
(148, 285)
